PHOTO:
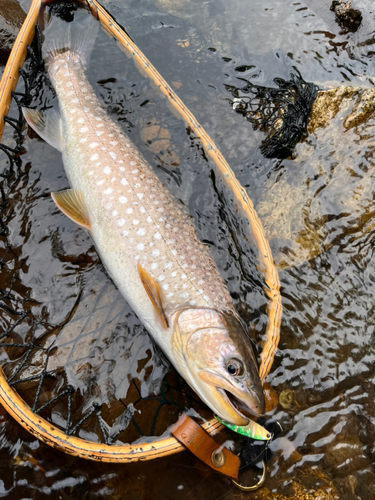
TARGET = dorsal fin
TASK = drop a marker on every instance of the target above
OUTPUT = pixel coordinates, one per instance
(72, 203)
(153, 291)
(47, 125)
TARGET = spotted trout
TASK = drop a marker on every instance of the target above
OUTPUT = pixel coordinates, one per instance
(145, 240)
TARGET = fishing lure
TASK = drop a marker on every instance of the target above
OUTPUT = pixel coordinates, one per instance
(251, 430)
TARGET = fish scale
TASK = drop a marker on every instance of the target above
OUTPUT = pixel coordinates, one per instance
(143, 222)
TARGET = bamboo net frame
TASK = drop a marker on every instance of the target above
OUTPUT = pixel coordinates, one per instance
(243, 205)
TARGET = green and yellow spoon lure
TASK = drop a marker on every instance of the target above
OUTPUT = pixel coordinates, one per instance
(251, 430)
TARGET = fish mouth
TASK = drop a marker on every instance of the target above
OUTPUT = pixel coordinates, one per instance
(233, 402)
(230, 403)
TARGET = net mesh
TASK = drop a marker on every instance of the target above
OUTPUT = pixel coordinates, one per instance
(281, 113)
(90, 368)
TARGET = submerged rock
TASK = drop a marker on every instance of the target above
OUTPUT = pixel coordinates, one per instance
(327, 190)
(11, 19)
(346, 15)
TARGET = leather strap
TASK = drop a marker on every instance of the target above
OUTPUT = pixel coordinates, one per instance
(201, 444)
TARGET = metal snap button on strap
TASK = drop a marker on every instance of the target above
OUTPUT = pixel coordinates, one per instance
(201, 444)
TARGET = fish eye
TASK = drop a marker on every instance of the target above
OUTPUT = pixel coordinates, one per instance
(235, 367)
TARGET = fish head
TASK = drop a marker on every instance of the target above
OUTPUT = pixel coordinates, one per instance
(220, 363)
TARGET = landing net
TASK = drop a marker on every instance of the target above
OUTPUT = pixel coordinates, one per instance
(68, 371)
(281, 113)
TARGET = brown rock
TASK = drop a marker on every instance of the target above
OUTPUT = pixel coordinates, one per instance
(11, 19)
(346, 15)
(270, 396)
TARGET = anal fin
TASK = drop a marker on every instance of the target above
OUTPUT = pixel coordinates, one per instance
(72, 203)
(47, 125)
(153, 291)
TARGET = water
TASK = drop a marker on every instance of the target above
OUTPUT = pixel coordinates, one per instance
(324, 370)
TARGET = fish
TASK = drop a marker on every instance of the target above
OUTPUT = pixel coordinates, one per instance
(144, 237)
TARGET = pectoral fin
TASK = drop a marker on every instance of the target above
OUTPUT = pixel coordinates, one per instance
(71, 202)
(153, 291)
(47, 125)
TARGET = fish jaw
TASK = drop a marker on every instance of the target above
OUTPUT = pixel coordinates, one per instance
(227, 398)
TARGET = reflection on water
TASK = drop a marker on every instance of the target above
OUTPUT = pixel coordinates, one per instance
(317, 210)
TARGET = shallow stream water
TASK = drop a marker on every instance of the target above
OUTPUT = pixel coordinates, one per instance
(324, 370)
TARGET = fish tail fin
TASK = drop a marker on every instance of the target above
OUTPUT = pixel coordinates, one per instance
(69, 28)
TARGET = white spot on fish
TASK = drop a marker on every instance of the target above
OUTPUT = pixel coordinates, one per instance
(124, 182)
(74, 100)
(135, 221)
(168, 265)
(206, 297)
(200, 282)
(129, 210)
(157, 236)
(91, 172)
(121, 222)
(155, 253)
(113, 143)
(142, 210)
(137, 257)
(135, 171)
(154, 265)
(123, 199)
(108, 191)
(174, 252)
(125, 233)
(174, 274)
(165, 287)
(184, 295)
(137, 186)
(100, 124)
(99, 183)
(161, 277)
(93, 145)
(70, 93)
(192, 302)
(84, 139)
(84, 129)
(141, 231)
(114, 213)
(94, 157)
(140, 246)
(99, 133)
(140, 195)
(112, 155)
(107, 170)
(170, 242)
(69, 84)
(81, 120)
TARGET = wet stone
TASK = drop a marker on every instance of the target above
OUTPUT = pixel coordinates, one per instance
(296, 199)
(11, 19)
(346, 15)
